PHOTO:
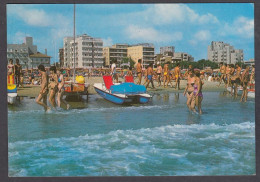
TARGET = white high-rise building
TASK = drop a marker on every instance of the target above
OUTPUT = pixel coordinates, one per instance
(89, 52)
(167, 49)
(223, 52)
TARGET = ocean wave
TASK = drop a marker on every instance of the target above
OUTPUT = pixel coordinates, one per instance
(98, 109)
(147, 151)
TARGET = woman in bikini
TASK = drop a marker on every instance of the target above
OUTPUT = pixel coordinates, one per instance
(198, 97)
(190, 89)
(61, 90)
(245, 78)
(53, 85)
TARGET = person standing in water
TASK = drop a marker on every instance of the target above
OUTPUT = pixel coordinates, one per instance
(61, 90)
(228, 68)
(198, 97)
(53, 86)
(139, 71)
(252, 76)
(237, 78)
(232, 78)
(150, 74)
(44, 88)
(159, 73)
(189, 90)
(177, 74)
(222, 73)
(245, 78)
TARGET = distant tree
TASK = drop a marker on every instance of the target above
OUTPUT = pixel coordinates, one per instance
(128, 60)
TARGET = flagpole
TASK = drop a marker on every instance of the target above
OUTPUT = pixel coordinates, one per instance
(74, 45)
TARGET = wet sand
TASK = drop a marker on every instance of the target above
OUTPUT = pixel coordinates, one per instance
(33, 90)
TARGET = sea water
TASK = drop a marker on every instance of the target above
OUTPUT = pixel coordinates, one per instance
(161, 138)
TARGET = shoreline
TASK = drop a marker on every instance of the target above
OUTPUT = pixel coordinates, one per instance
(33, 90)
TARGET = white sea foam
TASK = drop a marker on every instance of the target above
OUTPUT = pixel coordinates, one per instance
(125, 151)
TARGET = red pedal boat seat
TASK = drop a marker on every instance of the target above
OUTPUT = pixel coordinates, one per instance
(108, 81)
(129, 79)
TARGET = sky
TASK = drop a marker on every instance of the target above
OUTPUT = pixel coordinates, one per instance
(188, 27)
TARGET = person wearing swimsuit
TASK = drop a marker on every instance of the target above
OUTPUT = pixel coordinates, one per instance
(44, 88)
(177, 74)
(222, 73)
(189, 90)
(10, 68)
(237, 78)
(244, 82)
(53, 86)
(150, 74)
(228, 75)
(166, 74)
(139, 71)
(159, 73)
(252, 77)
(61, 90)
(198, 97)
(232, 78)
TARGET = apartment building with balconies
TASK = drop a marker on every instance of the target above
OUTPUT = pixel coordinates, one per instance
(223, 52)
(142, 51)
(115, 52)
(88, 52)
(27, 54)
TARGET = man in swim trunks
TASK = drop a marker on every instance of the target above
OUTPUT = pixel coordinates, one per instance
(166, 75)
(159, 73)
(150, 74)
(177, 74)
(237, 78)
(245, 78)
(139, 71)
(18, 70)
(44, 88)
(228, 68)
(222, 73)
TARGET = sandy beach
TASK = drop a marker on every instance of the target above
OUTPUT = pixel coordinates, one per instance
(33, 90)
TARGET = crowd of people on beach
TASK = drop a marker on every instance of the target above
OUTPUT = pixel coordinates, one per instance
(53, 83)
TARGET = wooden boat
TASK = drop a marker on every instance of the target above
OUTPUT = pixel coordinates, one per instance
(127, 92)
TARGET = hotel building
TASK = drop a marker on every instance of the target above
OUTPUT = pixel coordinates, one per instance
(223, 52)
(27, 54)
(88, 52)
(142, 51)
(115, 52)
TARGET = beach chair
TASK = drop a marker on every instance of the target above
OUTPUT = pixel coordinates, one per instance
(129, 79)
(108, 80)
